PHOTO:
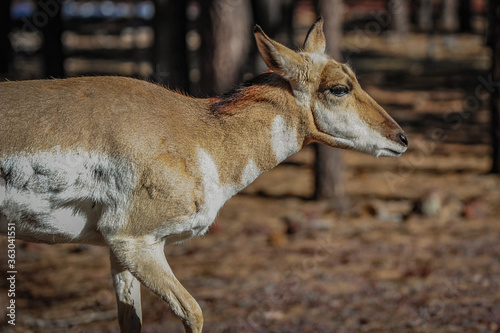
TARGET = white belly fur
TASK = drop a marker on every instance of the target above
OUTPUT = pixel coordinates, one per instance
(60, 196)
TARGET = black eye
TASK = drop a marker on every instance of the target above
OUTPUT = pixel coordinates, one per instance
(339, 90)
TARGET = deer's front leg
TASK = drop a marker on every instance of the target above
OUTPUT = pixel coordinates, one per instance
(128, 297)
(147, 263)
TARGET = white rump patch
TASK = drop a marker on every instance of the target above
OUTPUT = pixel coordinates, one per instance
(283, 139)
(58, 196)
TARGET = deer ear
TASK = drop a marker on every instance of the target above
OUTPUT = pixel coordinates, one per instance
(315, 39)
(278, 57)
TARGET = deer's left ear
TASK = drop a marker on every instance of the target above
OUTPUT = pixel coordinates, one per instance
(315, 39)
(278, 57)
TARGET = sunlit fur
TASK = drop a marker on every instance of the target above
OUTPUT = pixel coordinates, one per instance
(355, 120)
(131, 165)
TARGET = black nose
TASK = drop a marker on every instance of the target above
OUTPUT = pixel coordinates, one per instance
(403, 139)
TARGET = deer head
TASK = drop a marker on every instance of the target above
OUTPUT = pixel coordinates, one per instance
(341, 114)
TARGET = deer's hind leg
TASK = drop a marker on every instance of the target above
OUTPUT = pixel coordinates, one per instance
(148, 264)
(128, 297)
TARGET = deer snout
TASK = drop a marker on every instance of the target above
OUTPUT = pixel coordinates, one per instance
(395, 145)
(402, 139)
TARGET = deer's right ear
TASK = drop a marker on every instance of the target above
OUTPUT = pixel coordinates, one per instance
(315, 39)
(278, 57)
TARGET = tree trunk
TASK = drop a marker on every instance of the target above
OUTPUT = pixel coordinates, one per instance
(5, 47)
(276, 19)
(52, 48)
(400, 9)
(464, 13)
(494, 41)
(170, 51)
(425, 13)
(226, 42)
(450, 15)
(426, 24)
(333, 13)
(329, 165)
(329, 173)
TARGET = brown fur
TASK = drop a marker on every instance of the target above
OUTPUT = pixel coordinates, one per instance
(159, 132)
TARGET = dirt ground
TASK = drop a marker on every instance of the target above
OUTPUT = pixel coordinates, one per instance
(417, 251)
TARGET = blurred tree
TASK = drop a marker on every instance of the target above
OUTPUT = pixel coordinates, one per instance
(450, 15)
(170, 51)
(464, 13)
(333, 13)
(5, 47)
(226, 37)
(400, 9)
(276, 18)
(494, 81)
(329, 166)
(425, 14)
(51, 27)
(426, 24)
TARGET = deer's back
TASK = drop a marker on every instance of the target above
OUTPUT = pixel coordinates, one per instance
(91, 113)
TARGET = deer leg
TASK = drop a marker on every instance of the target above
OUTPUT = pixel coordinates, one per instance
(128, 297)
(147, 263)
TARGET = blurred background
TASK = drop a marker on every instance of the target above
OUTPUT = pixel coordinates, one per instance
(329, 241)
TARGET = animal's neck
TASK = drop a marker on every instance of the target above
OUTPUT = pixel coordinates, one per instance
(260, 125)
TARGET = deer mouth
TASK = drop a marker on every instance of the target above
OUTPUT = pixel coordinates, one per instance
(398, 145)
(389, 152)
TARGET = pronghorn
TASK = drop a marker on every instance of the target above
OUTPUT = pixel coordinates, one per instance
(132, 165)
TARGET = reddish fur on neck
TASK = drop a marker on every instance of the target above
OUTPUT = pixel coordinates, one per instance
(255, 90)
